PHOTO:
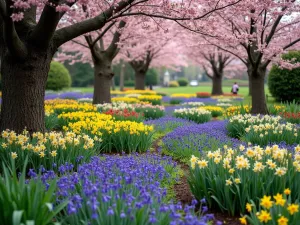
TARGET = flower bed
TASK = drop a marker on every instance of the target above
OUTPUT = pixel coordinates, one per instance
(203, 95)
(193, 114)
(230, 178)
(117, 136)
(215, 110)
(49, 150)
(153, 99)
(198, 139)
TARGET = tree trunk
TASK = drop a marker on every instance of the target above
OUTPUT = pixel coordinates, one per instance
(217, 85)
(103, 79)
(140, 80)
(250, 86)
(23, 92)
(122, 76)
(258, 92)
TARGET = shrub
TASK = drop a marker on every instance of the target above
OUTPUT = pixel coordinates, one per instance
(173, 84)
(230, 178)
(58, 77)
(129, 83)
(284, 84)
(182, 82)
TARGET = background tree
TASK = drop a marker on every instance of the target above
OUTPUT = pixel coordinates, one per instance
(258, 33)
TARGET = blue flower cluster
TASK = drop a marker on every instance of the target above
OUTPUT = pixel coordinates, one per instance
(194, 139)
(168, 123)
(123, 189)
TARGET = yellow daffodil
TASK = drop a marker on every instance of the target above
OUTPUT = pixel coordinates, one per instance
(266, 202)
(264, 216)
(293, 208)
(282, 221)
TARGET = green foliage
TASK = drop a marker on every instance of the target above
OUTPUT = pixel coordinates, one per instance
(58, 77)
(182, 82)
(23, 202)
(284, 84)
(151, 77)
(129, 83)
(151, 112)
(173, 84)
(175, 101)
(82, 74)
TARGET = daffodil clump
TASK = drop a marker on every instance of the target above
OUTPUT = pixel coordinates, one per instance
(224, 100)
(193, 114)
(119, 136)
(194, 104)
(153, 99)
(181, 95)
(59, 108)
(49, 150)
(70, 117)
(149, 111)
(277, 209)
(221, 104)
(125, 100)
(262, 134)
(141, 92)
(215, 110)
(229, 178)
(117, 92)
(238, 124)
(236, 110)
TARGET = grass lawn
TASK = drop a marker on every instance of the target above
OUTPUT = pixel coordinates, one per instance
(203, 88)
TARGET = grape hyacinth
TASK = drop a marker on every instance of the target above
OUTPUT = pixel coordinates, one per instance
(122, 190)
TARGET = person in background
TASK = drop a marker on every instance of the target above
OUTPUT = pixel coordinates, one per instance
(235, 88)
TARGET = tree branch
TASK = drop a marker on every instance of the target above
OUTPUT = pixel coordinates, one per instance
(103, 33)
(45, 29)
(3, 12)
(291, 44)
(113, 47)
(175, 18)
(12, 40)
(66, 34)
(206, 73)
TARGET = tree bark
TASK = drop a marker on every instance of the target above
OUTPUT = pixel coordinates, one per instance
(217, 85)
(103, 79)
(140, 77)
(122, 76)
(259, 105)
(23, 92)
(250, 84)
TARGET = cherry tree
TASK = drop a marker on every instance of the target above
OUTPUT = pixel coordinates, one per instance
(98, 48)
(154, 45)
(213, 61)
(33, 30)
(258, 33)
